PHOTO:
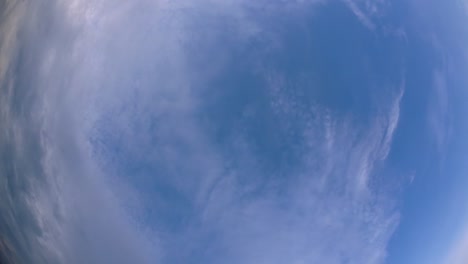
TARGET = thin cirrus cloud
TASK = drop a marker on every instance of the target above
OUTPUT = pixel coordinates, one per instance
(367, 11)
(132, 100)
(360, 14)
(327, 214)
(458, 253)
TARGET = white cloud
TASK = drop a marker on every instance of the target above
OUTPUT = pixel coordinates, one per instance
(392, 122)
(10, 22)
(438, 109)
(363, 17)
(331, 212)
(327, 214)
(368, 11)
(124, 72)
(458, 253)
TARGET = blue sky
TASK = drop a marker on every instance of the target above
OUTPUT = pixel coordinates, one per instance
(230, 131)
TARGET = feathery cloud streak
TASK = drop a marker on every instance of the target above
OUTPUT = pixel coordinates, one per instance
(135, 170)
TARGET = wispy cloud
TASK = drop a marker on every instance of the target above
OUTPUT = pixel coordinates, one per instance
(363, 17)
(134, 173)
(464, 3)
(439, 118)
(11, 18)
(327, 211)
(368, 12)
(392, 122)
(458, 253)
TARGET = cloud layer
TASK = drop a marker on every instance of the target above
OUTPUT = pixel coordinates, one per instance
(155, 145)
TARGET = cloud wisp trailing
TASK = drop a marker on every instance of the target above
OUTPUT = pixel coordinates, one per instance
(367, 11)
(137, 165)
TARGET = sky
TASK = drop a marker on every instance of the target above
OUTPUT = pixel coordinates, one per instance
(233, 131)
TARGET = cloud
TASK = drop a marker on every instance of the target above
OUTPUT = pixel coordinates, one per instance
(368, 12)
(137, 170)
(59, 209)
(17, 143)
(360, 14)
(392, 122)
(329, 211)
(458, 253)
(439, 112)
(10, 22)
(464, 3)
